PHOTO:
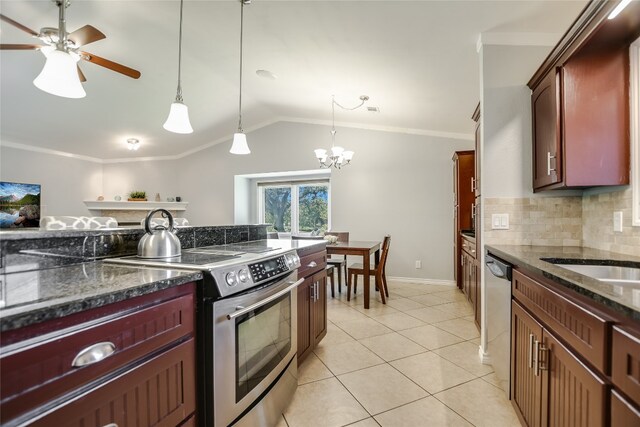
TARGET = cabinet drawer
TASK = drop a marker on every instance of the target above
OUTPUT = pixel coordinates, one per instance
(586, 332)
(312, 263)
(625, 363)
(43, 371)
(623, 413)
(469, 247)
(158, 392)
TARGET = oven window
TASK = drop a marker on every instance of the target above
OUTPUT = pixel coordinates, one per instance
(263, 340)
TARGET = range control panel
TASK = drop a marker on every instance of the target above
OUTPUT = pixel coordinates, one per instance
(267, 269)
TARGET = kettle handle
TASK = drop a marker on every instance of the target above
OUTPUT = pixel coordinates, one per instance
(165, 213)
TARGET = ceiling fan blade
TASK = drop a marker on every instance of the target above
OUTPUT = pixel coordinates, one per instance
(85, 35)
(20, 46)
(18, 25)
(81, 75)
(130, 72)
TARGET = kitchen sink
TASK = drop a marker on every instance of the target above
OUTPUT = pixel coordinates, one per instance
(613, 274)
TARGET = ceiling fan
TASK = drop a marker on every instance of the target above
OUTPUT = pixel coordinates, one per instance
(61, 74)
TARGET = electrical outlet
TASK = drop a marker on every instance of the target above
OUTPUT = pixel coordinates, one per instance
(500, 221)
(418, 264)
(617, 221)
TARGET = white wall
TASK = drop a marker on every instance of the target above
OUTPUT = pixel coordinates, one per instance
(398, 184)
(150, 176)
(66, 182)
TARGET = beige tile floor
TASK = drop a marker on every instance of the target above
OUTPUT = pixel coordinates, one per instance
(412, 362)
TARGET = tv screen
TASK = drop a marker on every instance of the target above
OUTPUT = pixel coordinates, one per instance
(19, 205)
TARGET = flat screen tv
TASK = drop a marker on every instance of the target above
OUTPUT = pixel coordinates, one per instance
(19, 205)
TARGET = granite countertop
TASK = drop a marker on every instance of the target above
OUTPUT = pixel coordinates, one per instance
(624, 299)
(302, 246)
(30, 297)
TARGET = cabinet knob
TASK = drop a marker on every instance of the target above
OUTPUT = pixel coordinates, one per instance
(93, 354)
(111, 425)
(312, 264)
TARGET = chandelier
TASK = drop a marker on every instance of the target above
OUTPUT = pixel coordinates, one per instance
(337, 156)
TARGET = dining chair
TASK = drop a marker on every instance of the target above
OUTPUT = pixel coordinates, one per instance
(307, 237)
(379, 272)
(339, 261)
(272, 235)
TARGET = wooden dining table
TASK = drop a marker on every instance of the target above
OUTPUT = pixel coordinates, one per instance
(359, 248)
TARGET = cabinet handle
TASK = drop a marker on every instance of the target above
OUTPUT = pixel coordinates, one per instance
(312, 264)
(542, 363)
(536, 365)
(111, 425)
(473, 211)
(93, 354)
(549, 157)
(473, 184)
(532, 338)
(317, 291)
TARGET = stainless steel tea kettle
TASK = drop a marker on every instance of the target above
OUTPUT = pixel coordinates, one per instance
(159, 242)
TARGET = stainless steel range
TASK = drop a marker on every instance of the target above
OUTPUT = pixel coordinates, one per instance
(248, 330)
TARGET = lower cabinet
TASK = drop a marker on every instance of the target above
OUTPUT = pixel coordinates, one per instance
(623, 413)
(470, 279)
(158, 392)
(132, 363)
(550, 385)
(312, 313)
(312, 304)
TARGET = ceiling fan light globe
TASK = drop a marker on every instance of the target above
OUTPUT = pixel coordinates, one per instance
(320, 153)
(348, 155)
(178, 119)
(240, 145)
(60, 76)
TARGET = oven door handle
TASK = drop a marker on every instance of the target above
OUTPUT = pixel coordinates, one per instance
(265, 301)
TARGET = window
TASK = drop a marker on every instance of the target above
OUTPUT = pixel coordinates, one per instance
(295, 207)
(634, 89)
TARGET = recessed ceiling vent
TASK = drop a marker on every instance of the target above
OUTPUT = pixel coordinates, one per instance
(373, 109)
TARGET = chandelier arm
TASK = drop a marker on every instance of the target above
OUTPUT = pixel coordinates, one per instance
(347, 108)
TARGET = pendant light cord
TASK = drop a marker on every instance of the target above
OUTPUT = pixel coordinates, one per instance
(179, 91)
(240, 97)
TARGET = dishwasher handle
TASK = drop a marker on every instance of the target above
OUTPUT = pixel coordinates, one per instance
(498, 267)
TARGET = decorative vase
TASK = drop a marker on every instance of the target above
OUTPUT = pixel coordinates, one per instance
(158, 197)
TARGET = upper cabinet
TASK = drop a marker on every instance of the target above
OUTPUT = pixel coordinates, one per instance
(580, 102)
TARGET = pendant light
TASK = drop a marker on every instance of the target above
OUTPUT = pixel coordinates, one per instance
(178, 120)
(239, 145)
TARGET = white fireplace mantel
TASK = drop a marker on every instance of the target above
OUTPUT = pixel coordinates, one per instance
(104, 205)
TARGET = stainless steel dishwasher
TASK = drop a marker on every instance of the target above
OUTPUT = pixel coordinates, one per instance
(498, 292)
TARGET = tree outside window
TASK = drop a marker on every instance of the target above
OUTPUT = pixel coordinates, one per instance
(296, 208)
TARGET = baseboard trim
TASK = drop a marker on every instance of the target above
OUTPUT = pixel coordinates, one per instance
(422, 281)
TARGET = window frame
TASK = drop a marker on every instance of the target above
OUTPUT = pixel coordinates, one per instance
(634, 99)
(294, 185)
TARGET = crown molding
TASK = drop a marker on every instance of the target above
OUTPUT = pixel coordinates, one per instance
(229, 137)
(517, 39)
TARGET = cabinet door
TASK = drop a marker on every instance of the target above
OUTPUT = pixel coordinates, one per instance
(526, 386)
(305, 300)
(476, 184)
(623, 413)
(547, 152)
(159, 392)
(575, 396)
(319, 312)
(478, 306)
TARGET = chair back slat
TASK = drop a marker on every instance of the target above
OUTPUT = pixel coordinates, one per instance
(385, 250)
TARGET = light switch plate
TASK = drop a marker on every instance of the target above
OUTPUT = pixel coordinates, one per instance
(617, 221)
(500, 221)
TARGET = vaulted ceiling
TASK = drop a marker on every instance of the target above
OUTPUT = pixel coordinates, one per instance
(417, 61)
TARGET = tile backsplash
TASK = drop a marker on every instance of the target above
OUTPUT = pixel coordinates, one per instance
(549, 221)
(585, 220)
(597, 223)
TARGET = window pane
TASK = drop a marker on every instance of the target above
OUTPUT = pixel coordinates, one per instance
(313, 208)
(277, 208)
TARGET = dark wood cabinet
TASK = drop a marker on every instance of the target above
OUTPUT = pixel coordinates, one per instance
(580, 102)
(470, 275)
(157, 392)
(545, 112)
(526, 385)
(463, 205)
(133, 337)
(312, 302)
(478, 150)
(623, 413)
(575, 395)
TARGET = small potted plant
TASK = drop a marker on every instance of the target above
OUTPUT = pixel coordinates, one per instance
(138, 196)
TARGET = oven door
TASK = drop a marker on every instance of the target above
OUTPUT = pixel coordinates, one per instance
(254, 341)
